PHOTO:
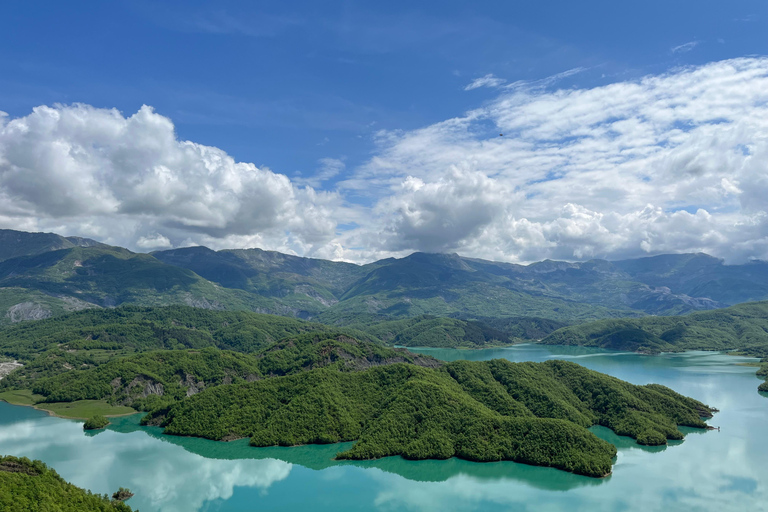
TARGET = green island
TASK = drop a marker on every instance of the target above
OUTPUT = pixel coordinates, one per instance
(30, 486)
(95, 422)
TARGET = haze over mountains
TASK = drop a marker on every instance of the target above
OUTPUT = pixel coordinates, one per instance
(43, 274)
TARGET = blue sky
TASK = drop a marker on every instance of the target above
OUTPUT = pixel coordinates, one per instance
(304, 87)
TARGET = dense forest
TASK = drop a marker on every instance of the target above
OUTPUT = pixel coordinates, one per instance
(31, 486)
(537, 413)
(155, 379)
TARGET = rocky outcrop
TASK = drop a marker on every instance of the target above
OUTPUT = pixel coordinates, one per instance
(8, 367)
(28, 311)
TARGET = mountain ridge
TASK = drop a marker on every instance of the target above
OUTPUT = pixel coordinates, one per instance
(87, 273)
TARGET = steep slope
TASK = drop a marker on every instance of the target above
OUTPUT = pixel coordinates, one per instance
(156, 379)
(21, 243)
(743, 327)
(81, 271)
(701, 275)
(444, 284)
(110, 276)
(19, 304)
(308, 285)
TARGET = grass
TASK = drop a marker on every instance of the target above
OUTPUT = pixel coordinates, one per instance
(20, 397)
(84, 409)
(79, 410)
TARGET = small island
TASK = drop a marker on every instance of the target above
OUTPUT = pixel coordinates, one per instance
(96, 422)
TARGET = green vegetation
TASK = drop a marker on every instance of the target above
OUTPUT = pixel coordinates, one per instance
(67, 274)
(20, 397)
(428, 331)
(122, 494)
(742, 328)
(14, 244)
(156, 379)
(19, 304)
(129, 329)
(31, 486)
(537, 413)
(763, 372)
(84, 409)
(95, 422)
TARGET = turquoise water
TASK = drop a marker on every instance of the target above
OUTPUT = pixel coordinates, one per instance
(709, 471)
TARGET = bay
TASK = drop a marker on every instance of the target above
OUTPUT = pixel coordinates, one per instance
(709, 471)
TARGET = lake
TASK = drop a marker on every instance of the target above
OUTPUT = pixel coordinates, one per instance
(709, 471)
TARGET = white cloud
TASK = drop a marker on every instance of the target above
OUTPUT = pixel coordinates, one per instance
(675, 162)
(153, 242)
(685, 47)
(131, 181)
(668, 163)
(328, 168)
(488, 80)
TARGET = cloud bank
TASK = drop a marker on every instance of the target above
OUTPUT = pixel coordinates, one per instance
(676, 162)
(130, 180)
(669, 163)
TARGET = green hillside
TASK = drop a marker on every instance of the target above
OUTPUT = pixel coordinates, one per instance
(57, 273)
(428, 331)
(31, 486)
(21, 243)
(536, 413)
(133, 328)
(19, 304)
(155, 379)
(742, 328)
(701, 275)
(110, 276)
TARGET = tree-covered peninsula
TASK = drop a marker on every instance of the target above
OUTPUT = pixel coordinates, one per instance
(31, 486)
(536, 413)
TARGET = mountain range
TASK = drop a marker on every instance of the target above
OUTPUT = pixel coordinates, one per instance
(44, 274)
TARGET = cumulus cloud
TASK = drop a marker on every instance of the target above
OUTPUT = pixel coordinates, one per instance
(676, 162)
(130, 180)
(668, 163)
(488, 80)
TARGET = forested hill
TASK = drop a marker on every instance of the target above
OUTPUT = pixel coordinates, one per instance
(536, 413)
(31, 486)
(742, 328)
(155, 379)
(44, 275)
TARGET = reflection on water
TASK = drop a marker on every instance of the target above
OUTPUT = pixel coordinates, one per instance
(708, 471)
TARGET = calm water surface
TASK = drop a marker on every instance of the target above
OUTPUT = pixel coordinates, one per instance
(709, 471)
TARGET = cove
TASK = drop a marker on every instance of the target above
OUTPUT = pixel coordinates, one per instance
(715, 471)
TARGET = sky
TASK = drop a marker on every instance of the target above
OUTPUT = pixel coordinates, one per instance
(512, 131)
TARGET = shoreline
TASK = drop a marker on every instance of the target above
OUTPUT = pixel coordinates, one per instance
(77, 418)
